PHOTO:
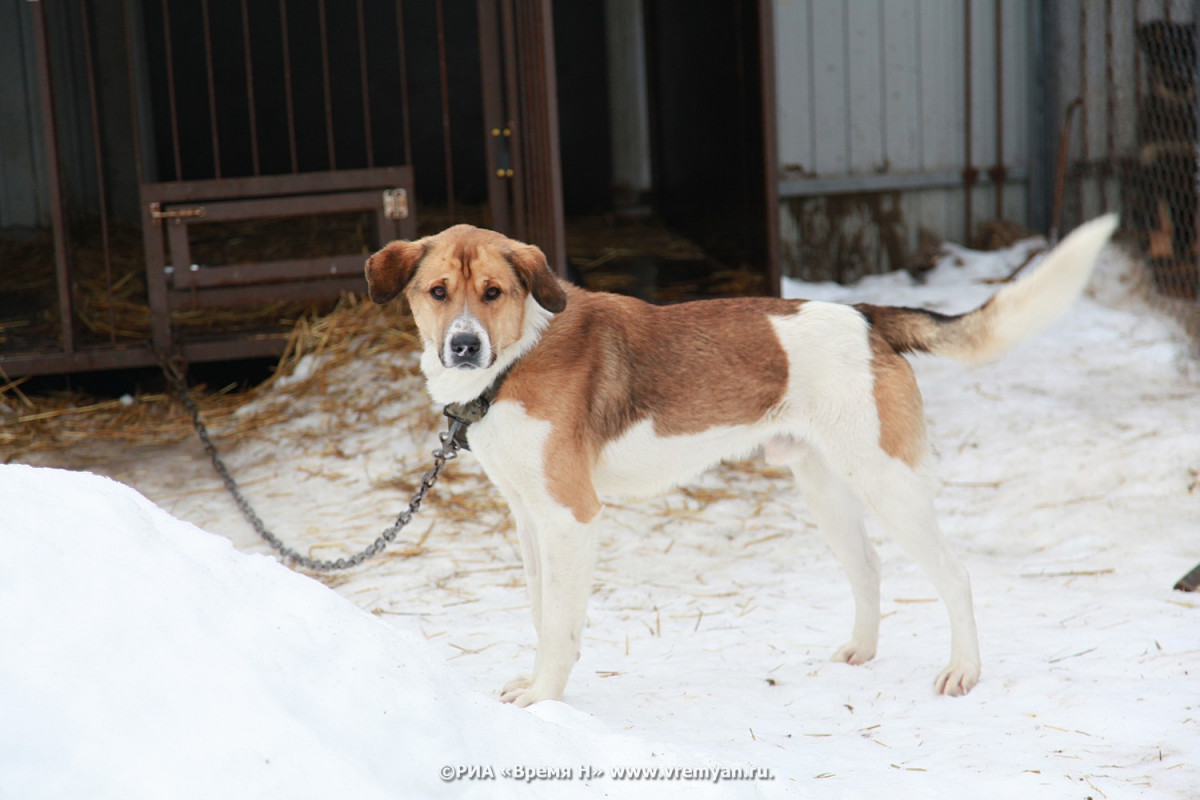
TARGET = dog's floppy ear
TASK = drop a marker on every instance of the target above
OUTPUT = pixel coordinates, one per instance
(535, 275)
(390, 270)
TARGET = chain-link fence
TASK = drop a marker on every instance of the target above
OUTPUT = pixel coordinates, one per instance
(1127, 92)
(1159, 197)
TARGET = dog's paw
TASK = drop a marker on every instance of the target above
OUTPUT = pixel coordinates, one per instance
(957, 679)
(854, 653)
(523, 692)
(517, 684)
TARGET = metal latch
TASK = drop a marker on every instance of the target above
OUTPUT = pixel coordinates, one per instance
(395, 203)
(156, 212)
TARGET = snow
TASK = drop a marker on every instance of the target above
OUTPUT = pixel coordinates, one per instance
(142, 655)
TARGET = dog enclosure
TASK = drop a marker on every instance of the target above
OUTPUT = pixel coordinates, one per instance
(190, 175)
(200, 172)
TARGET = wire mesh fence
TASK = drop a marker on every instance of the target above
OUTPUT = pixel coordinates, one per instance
(1130, 71)
(1160, 195)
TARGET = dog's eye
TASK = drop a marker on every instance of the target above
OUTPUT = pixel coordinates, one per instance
(438, 292)
(491, 293)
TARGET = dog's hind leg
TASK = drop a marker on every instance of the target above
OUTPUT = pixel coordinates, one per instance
(902, 500)
(839, 514)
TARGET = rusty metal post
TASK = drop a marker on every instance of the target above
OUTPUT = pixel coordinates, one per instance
(444, 86)
(289, 103)
(251, 112)
(368, 138)
(770, 140)
(1060, 170)
(326, 82)
(156, 282)
(58, 208)
(494, 122)
(539, 115)
(211, 86)
(98, 151)
(171, 99)
(512, 106)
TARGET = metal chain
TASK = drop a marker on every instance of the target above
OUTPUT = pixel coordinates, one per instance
(448, 451)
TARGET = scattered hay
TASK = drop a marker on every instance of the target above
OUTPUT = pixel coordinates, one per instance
(108, 270)
(645, 258)
(594, 241)
(999, 234)
(355, 329)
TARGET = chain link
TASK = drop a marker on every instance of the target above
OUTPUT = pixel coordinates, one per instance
(448, 451)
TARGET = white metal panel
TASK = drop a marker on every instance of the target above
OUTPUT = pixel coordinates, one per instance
(900, 112)
(864, 88)
(879, 107)
(793, 87)
(940, 73)
(830, 110)
(1018, 80)
(940, 56)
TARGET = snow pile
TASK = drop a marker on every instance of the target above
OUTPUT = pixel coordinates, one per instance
(145, 658)
(141, 657)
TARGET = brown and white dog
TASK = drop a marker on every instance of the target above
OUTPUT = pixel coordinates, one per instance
(606, 395)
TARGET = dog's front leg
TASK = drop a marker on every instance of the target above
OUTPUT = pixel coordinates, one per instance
(548, 484)
(561, 582)
(531, 561)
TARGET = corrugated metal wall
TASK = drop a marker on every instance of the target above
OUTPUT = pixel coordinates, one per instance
(887, 110)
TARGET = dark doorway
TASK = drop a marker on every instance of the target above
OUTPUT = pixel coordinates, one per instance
(662, 141)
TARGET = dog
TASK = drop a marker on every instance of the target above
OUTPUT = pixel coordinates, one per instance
(595, 394)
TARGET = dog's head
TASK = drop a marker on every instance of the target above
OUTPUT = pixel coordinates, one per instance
(467, 288)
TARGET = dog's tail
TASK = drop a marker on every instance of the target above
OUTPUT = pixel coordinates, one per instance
(1015, 313)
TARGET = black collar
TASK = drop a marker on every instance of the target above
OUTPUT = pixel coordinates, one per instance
(473, 410)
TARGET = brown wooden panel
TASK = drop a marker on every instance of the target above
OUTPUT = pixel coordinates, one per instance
(233, 296)
(281, 206)
(278, 185)
(268, 272)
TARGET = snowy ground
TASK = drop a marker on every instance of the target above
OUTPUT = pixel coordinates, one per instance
(143, 657)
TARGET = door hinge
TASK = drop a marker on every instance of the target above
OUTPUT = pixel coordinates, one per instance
(156, 212)
(395, 203)
(503, 139)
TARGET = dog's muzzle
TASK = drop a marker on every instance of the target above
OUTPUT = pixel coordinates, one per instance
(463, 350)
(466, 345)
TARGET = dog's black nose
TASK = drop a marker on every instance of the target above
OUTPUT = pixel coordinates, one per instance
(465, 345)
